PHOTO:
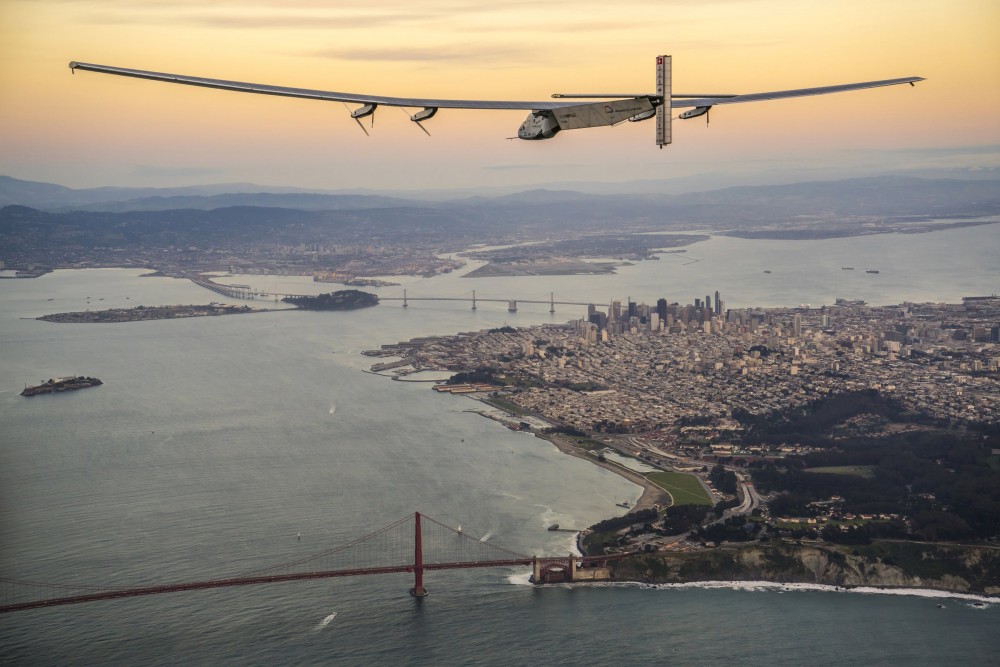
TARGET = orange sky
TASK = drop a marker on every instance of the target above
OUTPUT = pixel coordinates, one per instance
(91, 129)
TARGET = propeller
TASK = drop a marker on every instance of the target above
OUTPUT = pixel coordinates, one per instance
(416, 118)
(361, 112)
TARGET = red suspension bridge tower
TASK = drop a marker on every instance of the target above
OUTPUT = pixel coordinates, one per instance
(397, 548)
(418, 590)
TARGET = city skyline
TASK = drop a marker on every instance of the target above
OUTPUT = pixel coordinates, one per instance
(88, 130)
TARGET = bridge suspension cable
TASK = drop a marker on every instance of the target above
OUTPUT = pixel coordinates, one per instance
(414, 544)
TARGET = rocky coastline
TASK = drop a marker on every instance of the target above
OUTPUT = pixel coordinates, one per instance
(891, 565)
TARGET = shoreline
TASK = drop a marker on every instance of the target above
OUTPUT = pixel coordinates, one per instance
(654, 495)
(760, 586)
(651, 493)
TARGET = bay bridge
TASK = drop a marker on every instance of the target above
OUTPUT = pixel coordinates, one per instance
(415, 544)
(247, 292)
(511, 303)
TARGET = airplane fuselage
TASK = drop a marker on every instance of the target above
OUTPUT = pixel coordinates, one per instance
(538, 125)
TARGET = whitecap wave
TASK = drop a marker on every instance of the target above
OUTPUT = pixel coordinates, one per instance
(548, 516)
(975, 600)
(520, 579)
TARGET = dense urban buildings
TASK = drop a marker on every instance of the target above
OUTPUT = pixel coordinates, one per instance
(633, 368)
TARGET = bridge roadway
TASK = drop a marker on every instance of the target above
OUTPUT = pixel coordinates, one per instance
(278, 578)
(478, 299)
(247, 292)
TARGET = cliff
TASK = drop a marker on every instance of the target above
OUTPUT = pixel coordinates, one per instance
(965, 569)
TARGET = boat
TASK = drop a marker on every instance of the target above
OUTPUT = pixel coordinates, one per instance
(624, 503)
(941, 606)
(767, 271)
(554, 526)
(979, 605)
(459, 529)
(872, 271)
(847, 268)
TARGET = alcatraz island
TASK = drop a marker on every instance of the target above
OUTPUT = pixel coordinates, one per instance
(57, 385)
(847, 445)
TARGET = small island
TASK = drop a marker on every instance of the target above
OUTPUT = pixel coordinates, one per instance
(61, 384)
(350, 299)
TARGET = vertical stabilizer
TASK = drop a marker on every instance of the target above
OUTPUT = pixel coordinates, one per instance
(664, 111)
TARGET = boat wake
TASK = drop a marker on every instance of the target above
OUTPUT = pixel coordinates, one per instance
(326, 621)
(333, 408)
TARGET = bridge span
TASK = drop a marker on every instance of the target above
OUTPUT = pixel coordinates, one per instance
(423, 544)
(247, 292)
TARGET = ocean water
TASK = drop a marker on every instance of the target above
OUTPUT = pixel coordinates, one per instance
(216, 442)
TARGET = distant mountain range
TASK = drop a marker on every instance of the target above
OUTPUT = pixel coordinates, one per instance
(890, 195)
(40, 213)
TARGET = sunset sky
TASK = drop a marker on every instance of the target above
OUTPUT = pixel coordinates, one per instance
(90, 129)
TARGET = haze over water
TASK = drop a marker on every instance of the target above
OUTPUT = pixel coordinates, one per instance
(215, 441)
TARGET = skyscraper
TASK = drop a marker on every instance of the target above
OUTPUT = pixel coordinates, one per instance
(661, 309)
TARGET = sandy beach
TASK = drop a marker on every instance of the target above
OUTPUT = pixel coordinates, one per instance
(651, 494)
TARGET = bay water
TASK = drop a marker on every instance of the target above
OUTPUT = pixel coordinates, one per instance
(221, 445)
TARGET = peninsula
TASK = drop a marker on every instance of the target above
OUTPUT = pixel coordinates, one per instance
(846, 445)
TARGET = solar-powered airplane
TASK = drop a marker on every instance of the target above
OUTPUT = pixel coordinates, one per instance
(546, 118)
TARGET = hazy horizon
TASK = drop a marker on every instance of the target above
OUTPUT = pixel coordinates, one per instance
(88, 130)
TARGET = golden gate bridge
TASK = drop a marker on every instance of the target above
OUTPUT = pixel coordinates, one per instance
(414, 544)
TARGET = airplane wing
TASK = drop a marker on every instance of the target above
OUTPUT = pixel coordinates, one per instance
(359, 98)
(327, 95)
(709, 101)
